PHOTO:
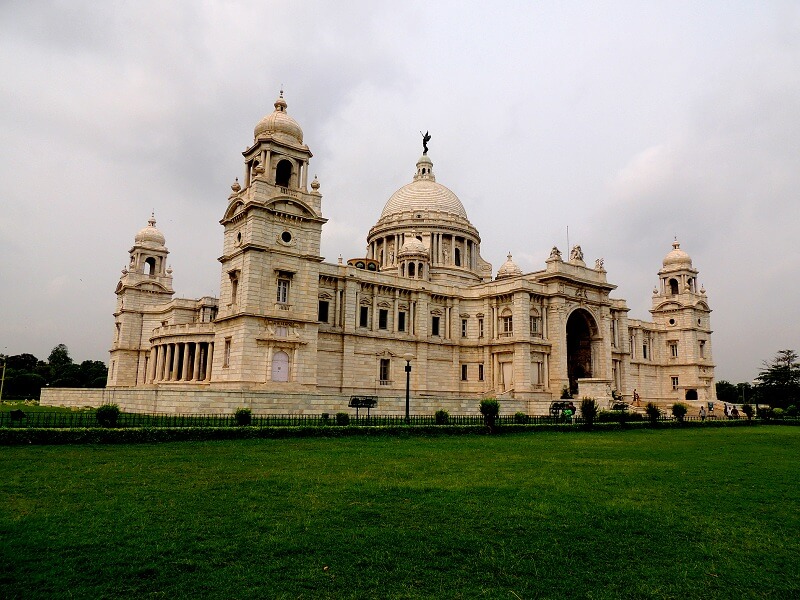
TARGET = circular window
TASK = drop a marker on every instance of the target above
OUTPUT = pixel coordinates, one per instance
(286, 237)
(672, 321)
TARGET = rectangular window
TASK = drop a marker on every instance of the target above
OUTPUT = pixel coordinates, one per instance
(506, 325)
(463, 328)
(226, 358)
(673, 349)
(435, 326)
(644, 351)
(480, 372)
(674, 383)
(480, 328)
(401, 321)
(534, 324)
(363, 316)
(283, 291)
(234, 286)
(322, 313)
(702, 348)
(463, 372)
(384, 371)
(383, 318)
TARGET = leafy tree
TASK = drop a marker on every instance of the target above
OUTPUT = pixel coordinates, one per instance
(727, 392)
(779, 380)
(22, 362)
(59, 357)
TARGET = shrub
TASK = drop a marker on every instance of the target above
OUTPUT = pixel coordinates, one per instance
(520, 417)
(326, 419)
(747, 409)
(791, 410)
(653, 412)
(243, 416)
(764, 412)
(679, 410)
(778, 413)
(107, 415)
(589, 411)
(489, 408)
(442, 417)
(342, 418)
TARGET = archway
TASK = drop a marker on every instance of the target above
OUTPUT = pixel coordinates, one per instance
(580, 328)
(691, 394)
(280, 366)
(283, 173)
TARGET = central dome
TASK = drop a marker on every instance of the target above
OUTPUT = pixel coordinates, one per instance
(424, 194)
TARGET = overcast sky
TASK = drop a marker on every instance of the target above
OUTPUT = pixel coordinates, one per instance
(628, 122)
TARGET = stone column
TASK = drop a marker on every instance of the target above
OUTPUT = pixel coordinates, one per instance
(168, 363)
(209, 360)
(185, 366)
(196, 368)
(374, 308)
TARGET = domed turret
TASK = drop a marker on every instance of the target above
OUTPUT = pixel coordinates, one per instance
(150, 235)
(677, 258)
(508, 269)
(413, 247)
(279, 125)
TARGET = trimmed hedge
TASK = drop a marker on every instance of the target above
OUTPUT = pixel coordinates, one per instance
(147, 435)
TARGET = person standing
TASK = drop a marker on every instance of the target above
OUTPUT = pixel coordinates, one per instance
(702, 413)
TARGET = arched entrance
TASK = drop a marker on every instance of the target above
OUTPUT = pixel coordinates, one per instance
(580, 329)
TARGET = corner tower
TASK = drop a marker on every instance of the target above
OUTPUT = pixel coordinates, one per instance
(143, 291)
(266, 331)
(681, 312)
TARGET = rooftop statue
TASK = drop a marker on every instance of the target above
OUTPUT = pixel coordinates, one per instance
(426, 137)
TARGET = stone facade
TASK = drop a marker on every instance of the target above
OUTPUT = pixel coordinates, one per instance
(292, 333)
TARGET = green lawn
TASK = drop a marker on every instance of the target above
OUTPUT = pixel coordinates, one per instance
(695, 513)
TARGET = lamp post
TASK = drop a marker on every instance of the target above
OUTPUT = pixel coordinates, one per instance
(3, 379)
(407, 358)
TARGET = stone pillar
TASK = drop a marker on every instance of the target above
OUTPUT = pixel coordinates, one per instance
(374, 308)
(196, 368)
(168, 363)
(209, 361)
(185, 366)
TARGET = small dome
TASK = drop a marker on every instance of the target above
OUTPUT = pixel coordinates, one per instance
(508, 269)
(423, 194)
(413, 246)
(677, 257)
(150, 235)
(279, 125)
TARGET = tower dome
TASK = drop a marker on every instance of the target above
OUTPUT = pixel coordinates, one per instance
(423, 194)
(413, 247)
(508, 269)
(150, 235)
(677, 258)
(278, 124)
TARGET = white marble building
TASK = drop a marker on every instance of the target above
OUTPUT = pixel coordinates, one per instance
(291, 332)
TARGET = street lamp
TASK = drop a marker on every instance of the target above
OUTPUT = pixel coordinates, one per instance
(408, 357)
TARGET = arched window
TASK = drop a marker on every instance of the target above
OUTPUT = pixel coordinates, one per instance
(280, 366)
(150, 268)
(283, 173)
(420, 270)
(402, 269)
(457, 256)
(673, 287)
(411, 267)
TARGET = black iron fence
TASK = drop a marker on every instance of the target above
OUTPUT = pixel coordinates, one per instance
(84, 419)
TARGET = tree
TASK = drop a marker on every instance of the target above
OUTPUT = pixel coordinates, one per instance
(59, 357)
(779, 380)
(727, 392)
(489, 408)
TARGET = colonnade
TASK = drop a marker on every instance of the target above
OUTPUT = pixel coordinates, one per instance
(181, 361)
(445, 249)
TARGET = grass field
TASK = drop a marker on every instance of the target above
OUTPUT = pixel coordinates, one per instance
(696, 513)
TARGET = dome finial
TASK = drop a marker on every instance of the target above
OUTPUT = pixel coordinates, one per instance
(152, 220)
